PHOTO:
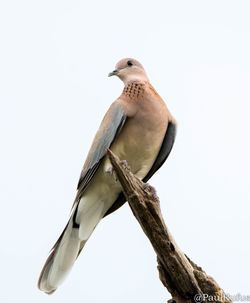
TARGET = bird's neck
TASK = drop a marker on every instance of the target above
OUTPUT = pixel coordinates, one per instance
(134, 90)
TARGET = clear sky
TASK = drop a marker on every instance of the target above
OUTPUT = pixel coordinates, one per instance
(54, 90)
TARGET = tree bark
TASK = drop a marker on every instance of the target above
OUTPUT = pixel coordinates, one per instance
(185, 281)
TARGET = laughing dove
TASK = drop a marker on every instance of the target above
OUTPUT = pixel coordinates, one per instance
(138, 128)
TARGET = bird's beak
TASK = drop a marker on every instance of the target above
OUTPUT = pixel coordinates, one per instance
(113, 73)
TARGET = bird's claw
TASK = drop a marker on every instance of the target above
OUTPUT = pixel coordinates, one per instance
(125, 164)
(151, 189)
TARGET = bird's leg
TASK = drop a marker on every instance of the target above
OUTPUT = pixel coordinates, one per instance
(151, 189)
(110, 170)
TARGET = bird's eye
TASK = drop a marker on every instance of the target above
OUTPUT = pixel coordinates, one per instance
(130, 63)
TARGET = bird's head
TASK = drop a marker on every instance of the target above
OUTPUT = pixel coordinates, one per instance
(129, 69)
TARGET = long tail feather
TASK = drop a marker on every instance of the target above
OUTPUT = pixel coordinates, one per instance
(84, 218)
(61, 259)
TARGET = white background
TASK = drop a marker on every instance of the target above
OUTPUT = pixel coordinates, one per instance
(54, 91)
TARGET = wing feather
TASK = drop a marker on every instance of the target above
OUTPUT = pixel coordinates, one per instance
(110, 127)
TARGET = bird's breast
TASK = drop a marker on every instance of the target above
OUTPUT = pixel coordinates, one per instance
(141, 137)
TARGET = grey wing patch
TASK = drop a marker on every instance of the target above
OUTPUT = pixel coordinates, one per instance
(165, 150)
(110, 128)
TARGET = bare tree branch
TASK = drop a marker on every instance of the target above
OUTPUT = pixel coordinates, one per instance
(185, 281)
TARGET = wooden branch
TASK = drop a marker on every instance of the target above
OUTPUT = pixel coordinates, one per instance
(185, 281)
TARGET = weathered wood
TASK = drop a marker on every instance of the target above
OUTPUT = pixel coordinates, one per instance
(185, 281)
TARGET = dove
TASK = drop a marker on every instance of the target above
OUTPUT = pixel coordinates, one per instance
(138, 128)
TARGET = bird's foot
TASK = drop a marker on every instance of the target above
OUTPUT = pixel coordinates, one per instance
(125, 164)
(151, 190)
(110, 170)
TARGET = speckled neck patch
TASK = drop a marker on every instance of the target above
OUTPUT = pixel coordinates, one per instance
(134, 90)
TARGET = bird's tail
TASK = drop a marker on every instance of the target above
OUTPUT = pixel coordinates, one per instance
(65, 252)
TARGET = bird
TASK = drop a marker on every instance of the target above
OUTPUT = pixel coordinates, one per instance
(139, 128)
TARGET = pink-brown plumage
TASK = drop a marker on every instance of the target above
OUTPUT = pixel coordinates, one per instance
(138, 128)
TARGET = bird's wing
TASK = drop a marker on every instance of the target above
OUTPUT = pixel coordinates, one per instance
(110, 127)
(165, 150)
